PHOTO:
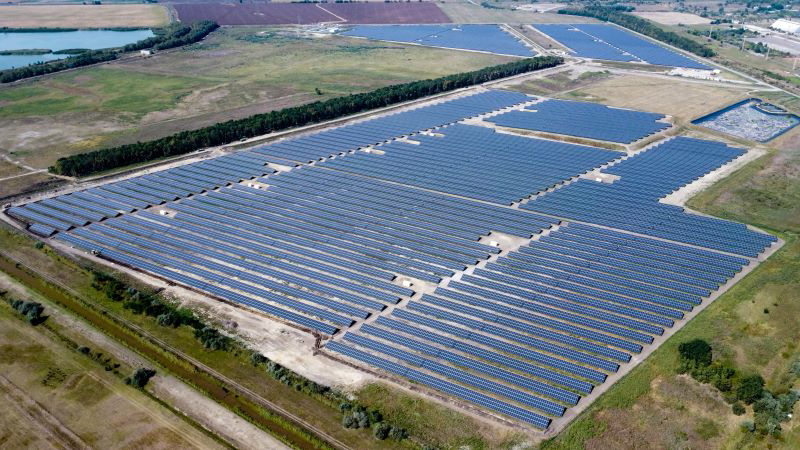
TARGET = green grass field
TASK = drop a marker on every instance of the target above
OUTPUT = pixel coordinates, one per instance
(234, 73)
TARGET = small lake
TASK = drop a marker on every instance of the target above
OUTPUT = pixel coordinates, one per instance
(61, 40)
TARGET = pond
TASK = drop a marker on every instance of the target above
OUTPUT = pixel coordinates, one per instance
(750, 119)
(62, 40)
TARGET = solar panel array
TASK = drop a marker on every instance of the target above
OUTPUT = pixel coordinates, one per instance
(543, 326)
(589, 120)
(337, 141)
(320, 243)
(631, 203)
(476, 162)
(353, 239)
(98, 203)
(483, 38)
(604, 41)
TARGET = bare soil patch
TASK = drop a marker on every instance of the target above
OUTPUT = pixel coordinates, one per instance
(673, 18)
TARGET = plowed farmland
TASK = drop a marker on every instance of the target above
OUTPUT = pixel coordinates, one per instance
(307, 13)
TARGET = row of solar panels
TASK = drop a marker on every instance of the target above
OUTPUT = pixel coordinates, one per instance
(476, 162)
(541, 327)
(581, 119)
(347, 138)
(603, 41)
(94, 204)
(631, 203)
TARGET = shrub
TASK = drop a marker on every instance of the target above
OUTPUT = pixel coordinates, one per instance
(398, 434)
(381, 430)
(212, 339)
(257, 359)
(697, 351)
(140, 378)
(738, 409)
(750, 389)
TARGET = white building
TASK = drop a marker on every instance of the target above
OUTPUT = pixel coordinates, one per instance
(787, 26)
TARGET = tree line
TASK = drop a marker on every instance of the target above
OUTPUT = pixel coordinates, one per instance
(233, 130)
(174, 36)
(642, 26)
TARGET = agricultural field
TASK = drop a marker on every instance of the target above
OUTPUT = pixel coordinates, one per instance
(673, 18)
(234, 73)
(467, 12)
(83, 16)
(56, 397)
(308, 13)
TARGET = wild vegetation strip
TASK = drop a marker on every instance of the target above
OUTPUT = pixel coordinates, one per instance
(174, 362)
(60, 391)
(187, 141)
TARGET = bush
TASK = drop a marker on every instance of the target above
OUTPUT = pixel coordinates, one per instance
(140, 378)
(750, 389)
(212, 339)
(738, 409)
(748, 426)
(31, 310)
(398, 434)
(257, 359)
(697, 351)
(381, 430)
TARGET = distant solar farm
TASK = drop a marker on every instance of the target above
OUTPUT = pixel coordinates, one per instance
(483, 38)
(511, 273)
(609, 42)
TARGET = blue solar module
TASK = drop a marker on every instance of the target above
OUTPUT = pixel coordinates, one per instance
(498, 389)
(638, 46)
(483, 38)
(198, 284)
(42, 230)
(478, 163)
(631, 202)
(441, 385)
(589, 120)
(605, 41)
(315, 147)
(582, 44)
